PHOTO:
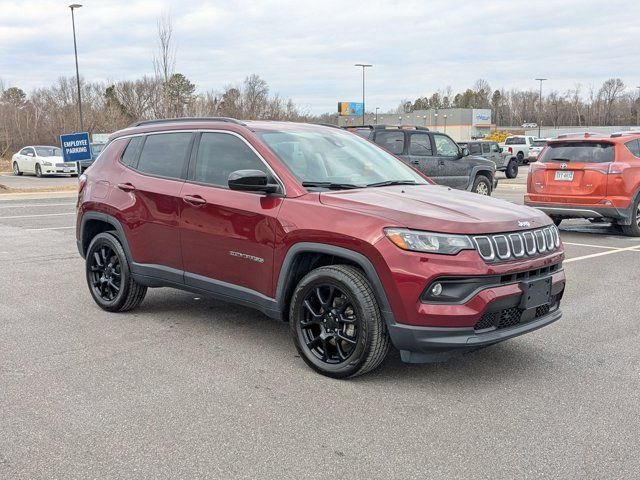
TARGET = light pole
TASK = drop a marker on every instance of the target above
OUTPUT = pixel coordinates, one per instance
(75, 49)
(638, 107)
(424, 118)
(364, 66)
(436, 117)
(445, 123)
(540, 104)
(377, 108)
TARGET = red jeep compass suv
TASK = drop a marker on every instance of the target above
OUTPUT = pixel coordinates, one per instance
(589, 176)
(317, 226)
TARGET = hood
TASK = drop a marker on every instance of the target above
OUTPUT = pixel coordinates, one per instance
(481, 160)
(438, 209)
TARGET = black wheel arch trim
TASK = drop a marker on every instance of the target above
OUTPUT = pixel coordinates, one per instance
(106, 218)
(480, 170)
(285, 278)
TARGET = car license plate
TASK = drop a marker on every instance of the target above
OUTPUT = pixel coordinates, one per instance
(66, 169)
(536, 293)
(564, 176)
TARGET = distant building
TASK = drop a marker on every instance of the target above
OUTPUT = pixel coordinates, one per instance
(459, 123)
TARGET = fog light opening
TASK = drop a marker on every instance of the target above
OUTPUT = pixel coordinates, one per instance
(436, 290)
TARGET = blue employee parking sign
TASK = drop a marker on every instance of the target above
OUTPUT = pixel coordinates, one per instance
(75, 147)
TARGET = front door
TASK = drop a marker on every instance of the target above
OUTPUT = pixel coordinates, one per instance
(454, 171)
(227, 236)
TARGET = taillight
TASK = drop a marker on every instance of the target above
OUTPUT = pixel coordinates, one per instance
(510, 150)
(82, 181)
(616, 168)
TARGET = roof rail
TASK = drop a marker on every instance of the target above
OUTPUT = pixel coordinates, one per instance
(187, 119)
(626, 132)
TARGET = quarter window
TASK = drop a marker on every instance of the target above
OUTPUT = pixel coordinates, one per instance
(634, 147)
(392, 141)
(131, 152)
(445, 146)
(219, 154)
(420, 144)
(165, 154)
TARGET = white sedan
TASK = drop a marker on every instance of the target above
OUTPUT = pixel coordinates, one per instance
(42, 160)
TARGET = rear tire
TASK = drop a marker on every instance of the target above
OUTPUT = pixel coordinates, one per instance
(482, 185)
(512, 169)
(336, 324)
(109, 277)
(633, 230)
(16, 169)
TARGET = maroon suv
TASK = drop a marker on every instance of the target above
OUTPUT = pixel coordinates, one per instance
(319, 227)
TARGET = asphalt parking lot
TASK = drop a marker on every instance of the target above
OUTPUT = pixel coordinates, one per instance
(189, 387)
(31, 181)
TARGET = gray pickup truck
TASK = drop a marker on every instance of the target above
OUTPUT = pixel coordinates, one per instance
(505, 162)
(436, 155)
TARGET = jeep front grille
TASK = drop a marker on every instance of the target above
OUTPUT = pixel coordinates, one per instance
(513, 246)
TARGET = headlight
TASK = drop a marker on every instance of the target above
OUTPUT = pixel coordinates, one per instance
(428, 242)
(47, 164)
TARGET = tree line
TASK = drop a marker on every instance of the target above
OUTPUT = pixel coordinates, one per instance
(609, 104)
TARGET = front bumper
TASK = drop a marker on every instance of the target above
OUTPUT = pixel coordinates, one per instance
(429, 344)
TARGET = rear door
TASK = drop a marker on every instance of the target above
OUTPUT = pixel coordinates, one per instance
(420, 154)
(153, 215)
(227, 236)
(573, 171)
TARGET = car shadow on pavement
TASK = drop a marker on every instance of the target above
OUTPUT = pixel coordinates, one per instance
(502, 363)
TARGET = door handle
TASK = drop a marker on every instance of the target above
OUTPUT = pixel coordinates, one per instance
(195, 200)
(126, 187)
(415, 162)
(441, 162)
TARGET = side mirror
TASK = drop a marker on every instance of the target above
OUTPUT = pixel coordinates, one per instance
(251, 181)
(465, 152)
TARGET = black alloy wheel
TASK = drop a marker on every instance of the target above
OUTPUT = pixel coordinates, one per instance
(109, 278)
(106, 276)
(336, 323)
(330, 324)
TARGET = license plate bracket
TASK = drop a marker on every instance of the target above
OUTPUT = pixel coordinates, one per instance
(535, 293)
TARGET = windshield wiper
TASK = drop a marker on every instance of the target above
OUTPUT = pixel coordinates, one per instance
(331, 185)
(392, 182)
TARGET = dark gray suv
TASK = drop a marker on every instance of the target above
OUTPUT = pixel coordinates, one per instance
(436, 155)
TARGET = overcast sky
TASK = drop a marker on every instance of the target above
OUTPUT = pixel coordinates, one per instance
(305, 50)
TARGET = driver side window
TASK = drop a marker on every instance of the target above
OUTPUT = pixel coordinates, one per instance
(445, 147)
(27, 151)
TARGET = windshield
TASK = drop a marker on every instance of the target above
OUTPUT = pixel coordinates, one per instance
(578, 152)
(48, 152)
(337, 157)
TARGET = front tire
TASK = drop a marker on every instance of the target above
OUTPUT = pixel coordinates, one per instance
(481, 185)
(109, 277)
(336, 324)
(38, 170)
(520, 157)
(16, 169)
(633, 230)
(512, 169)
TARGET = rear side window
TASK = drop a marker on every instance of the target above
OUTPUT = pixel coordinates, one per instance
(420, 144)
(165, 154)
(634, 147)
(392, 141)
(578, 152)
(485, 148)
(219, 154)
(515, 141)
(131, 152)
(539, 143)
(474, 149)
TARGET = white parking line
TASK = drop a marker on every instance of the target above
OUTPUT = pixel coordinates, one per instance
(635, 248)
(39, 215)
(49, 228)
(591, 246)
(38, 205)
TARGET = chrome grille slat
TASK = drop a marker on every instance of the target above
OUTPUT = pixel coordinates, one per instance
(517, 245)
